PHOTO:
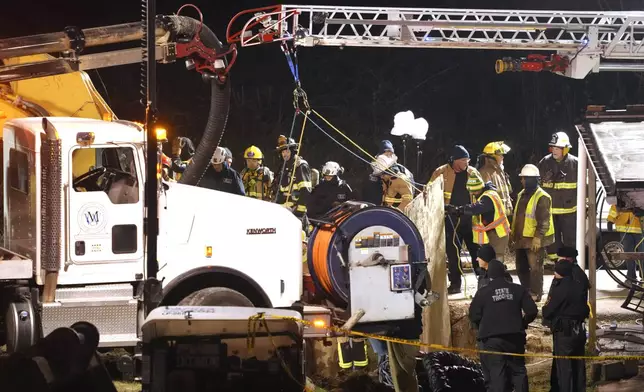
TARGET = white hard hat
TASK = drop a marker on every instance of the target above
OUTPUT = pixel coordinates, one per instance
(560, 139)
(381, 164)
(529, 171)
(331, 169)
(219, 156)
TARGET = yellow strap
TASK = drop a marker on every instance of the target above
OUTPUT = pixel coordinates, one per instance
(362, 149)
(565, 185)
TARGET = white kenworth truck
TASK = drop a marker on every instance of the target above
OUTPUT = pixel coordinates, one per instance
(73, 246)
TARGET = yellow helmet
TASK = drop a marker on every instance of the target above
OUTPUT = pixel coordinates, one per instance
(253, 152)
(496, 148)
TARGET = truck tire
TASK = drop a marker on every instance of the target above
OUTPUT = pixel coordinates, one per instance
(216, 296)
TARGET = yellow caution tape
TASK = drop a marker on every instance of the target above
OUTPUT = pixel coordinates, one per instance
(440, 347)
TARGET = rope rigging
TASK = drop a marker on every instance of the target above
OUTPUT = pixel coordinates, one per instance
(301, 105)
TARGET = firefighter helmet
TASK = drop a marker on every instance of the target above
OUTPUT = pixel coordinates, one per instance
(496, 148)
(283, 143)
(219, 156)
(332, 169)
(561, 140)
(529, 171)
(253, 152)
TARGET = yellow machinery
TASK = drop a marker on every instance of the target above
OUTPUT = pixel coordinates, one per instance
(68, 95)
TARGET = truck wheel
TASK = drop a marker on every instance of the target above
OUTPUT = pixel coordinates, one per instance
(20, 326)
(216, 296)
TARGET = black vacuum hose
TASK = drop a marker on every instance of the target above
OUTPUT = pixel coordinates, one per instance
(186, 28)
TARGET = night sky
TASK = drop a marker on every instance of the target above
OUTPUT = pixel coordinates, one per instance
(358, 89)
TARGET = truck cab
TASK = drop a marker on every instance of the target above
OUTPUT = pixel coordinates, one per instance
(73, 197)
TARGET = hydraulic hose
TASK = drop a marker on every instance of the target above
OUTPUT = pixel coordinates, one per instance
(185, 27)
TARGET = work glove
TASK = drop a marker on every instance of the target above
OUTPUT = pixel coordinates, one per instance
(176, 147)
(536, 244)
(450, 209)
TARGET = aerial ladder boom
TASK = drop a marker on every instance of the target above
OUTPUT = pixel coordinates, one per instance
(581, 42)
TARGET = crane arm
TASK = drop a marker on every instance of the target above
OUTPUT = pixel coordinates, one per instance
(586, 41)
(72, 42)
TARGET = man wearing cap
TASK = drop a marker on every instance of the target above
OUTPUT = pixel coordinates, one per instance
(490, 165)
(501, 311)
(569, 254)
(387, 148)
(566, 310)
(460, 182)
(486, 254)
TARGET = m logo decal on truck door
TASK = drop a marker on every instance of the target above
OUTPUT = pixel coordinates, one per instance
(92, 218)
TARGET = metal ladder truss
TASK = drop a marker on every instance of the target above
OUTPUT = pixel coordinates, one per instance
(584, 36)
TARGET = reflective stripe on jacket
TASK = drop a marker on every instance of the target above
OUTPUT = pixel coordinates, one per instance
(491, 171)
(294, 196)
(530, 223)
(257, 183)
(624, 221)
(397, 192)
(559, 179)
(449, 177)
(500, 222)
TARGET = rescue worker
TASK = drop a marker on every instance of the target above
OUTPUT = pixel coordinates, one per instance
(559, 178)
(396, 188)
(256, 177)
(532, 230)
(182, 152)
(220, 176)
(490, 165)
(567, 255)
(628, 223)
(501, 312)
(166, 165)
(566, 309)
(490, 224)
(460, 181)
(292, 185)
(229, 156)
(387, 148)
(330, 193)
(352, 353)
(484, 256)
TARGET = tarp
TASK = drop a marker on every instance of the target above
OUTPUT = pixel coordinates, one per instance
(427, 212)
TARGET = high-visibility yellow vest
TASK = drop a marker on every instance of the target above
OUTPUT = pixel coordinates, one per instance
(530, 224)
(624, 221)
(500, 223)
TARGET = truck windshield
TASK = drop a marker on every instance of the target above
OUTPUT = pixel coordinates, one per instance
(106, 169)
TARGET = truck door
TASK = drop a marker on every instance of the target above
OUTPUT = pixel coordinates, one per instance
(105, 204)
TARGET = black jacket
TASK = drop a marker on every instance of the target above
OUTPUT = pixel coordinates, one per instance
(227, 180)
(484, 280)
(372, 190)
(567, 300)
(326, 195)
(497, 308)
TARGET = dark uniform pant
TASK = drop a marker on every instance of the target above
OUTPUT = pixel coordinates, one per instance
(463, 234)
(565, 233)
(568, 375)
(499, 369)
